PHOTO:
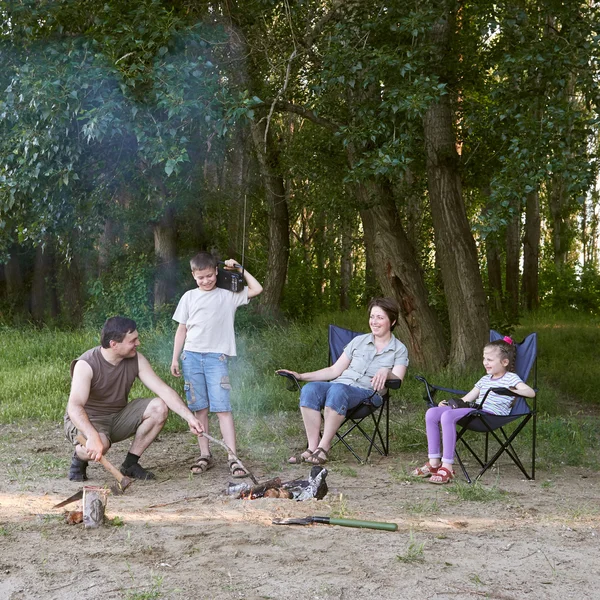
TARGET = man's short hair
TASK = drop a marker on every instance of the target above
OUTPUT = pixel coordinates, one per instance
(203, 260)
(115, 329)
(389, 306)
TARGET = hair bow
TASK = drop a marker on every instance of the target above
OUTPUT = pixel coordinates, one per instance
(508, 339)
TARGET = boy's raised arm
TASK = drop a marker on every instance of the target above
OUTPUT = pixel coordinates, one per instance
(254, 288)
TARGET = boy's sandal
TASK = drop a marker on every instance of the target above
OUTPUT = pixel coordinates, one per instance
(318, 457)
(236, 469)
(300, 457)
(425, 471)
(203, 464)
(442, 476)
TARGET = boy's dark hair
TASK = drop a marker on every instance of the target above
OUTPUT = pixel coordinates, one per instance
(115, 329)
(389, 306)
(203, 260)
(507, 351)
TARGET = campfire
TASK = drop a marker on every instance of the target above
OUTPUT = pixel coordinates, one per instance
(299, 489)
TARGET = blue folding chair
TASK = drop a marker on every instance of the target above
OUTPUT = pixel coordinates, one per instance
(523, 410)
(373, 422)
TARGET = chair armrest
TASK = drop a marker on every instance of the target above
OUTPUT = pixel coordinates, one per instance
(430, 391)
(505, 392)
(393, 384)
(293, 384)
(438, 388)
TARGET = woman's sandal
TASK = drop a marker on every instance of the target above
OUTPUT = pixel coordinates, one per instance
(300, 458)
(442, 476)
(203, 464)
(236, 470)
(425, 471)
(316, 459)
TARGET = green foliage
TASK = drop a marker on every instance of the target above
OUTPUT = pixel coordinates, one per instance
(566, 288)
(124, 290)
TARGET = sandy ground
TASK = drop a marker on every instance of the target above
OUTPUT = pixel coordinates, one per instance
(182, 538)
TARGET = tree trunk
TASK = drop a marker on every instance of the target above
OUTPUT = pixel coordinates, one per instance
(70, 279)
(455, 246)
(39, 287)
(105, 245)
(165, 256)
(346, 264)
(531, 251)
(267, 155)
(237, 183)
(513, 257)
(279, 237)
(400, 276)
(494, 271)
(561, 227)
(13, 276)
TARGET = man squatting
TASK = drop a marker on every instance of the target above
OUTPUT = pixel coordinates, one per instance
(98, 408)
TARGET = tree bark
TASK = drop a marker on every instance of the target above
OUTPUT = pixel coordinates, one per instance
(279, 237)
(400, 276)
(267, 155)
(237, 182)
(39, 287)
(558, 202)
(346, 264)
(13, 276)
(455, 246)
(70, 279)
(494, 271)
(513, 257)
(165, 256)
(531, 251)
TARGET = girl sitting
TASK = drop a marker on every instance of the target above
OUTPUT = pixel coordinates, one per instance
(498, 360)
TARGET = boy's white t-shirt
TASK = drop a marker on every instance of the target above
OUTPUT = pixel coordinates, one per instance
(209, 317)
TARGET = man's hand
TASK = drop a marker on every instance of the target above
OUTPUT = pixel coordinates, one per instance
(378, 381)
(94, 447)
(175, 369)
(195, 426)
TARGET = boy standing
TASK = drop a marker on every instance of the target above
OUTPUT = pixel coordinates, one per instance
(206, 336)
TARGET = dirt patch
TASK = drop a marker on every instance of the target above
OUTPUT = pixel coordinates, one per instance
(181, 538)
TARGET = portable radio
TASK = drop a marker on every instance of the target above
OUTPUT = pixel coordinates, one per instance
(229, 280)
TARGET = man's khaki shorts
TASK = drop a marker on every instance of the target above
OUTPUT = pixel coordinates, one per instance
(117, 427)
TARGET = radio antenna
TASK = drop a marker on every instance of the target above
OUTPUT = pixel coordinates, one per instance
(244, 234)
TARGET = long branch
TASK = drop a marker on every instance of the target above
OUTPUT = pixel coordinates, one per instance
(297, 109)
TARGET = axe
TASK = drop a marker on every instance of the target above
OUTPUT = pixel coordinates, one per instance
(123, 482)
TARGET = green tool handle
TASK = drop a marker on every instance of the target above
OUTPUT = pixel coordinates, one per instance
(354, 523)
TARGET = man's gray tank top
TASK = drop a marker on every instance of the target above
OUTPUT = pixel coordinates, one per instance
(110, 383)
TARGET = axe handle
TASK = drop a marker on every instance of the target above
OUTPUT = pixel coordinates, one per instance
(355, 523)
(104, 461)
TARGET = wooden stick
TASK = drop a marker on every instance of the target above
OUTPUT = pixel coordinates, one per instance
(186, 499)
(221, 443)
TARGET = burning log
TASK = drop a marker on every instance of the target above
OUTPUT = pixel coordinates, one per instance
(299, 489)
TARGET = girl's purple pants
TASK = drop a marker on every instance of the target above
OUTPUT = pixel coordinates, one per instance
(447, 417)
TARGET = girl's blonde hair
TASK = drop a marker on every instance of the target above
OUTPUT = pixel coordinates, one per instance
(507, 351)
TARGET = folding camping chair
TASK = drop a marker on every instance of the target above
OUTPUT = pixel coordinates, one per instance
(494, 425)
(373, 422)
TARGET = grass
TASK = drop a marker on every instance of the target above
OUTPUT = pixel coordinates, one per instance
(414, 551)
(476, 492)
(422, 507)
(35, 382)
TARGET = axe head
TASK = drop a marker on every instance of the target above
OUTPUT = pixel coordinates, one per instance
(119, 488)
(76, 496)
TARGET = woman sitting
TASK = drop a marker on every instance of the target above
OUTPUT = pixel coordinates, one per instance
(359, 375)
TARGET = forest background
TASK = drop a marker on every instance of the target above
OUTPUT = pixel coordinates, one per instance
(443, 153)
